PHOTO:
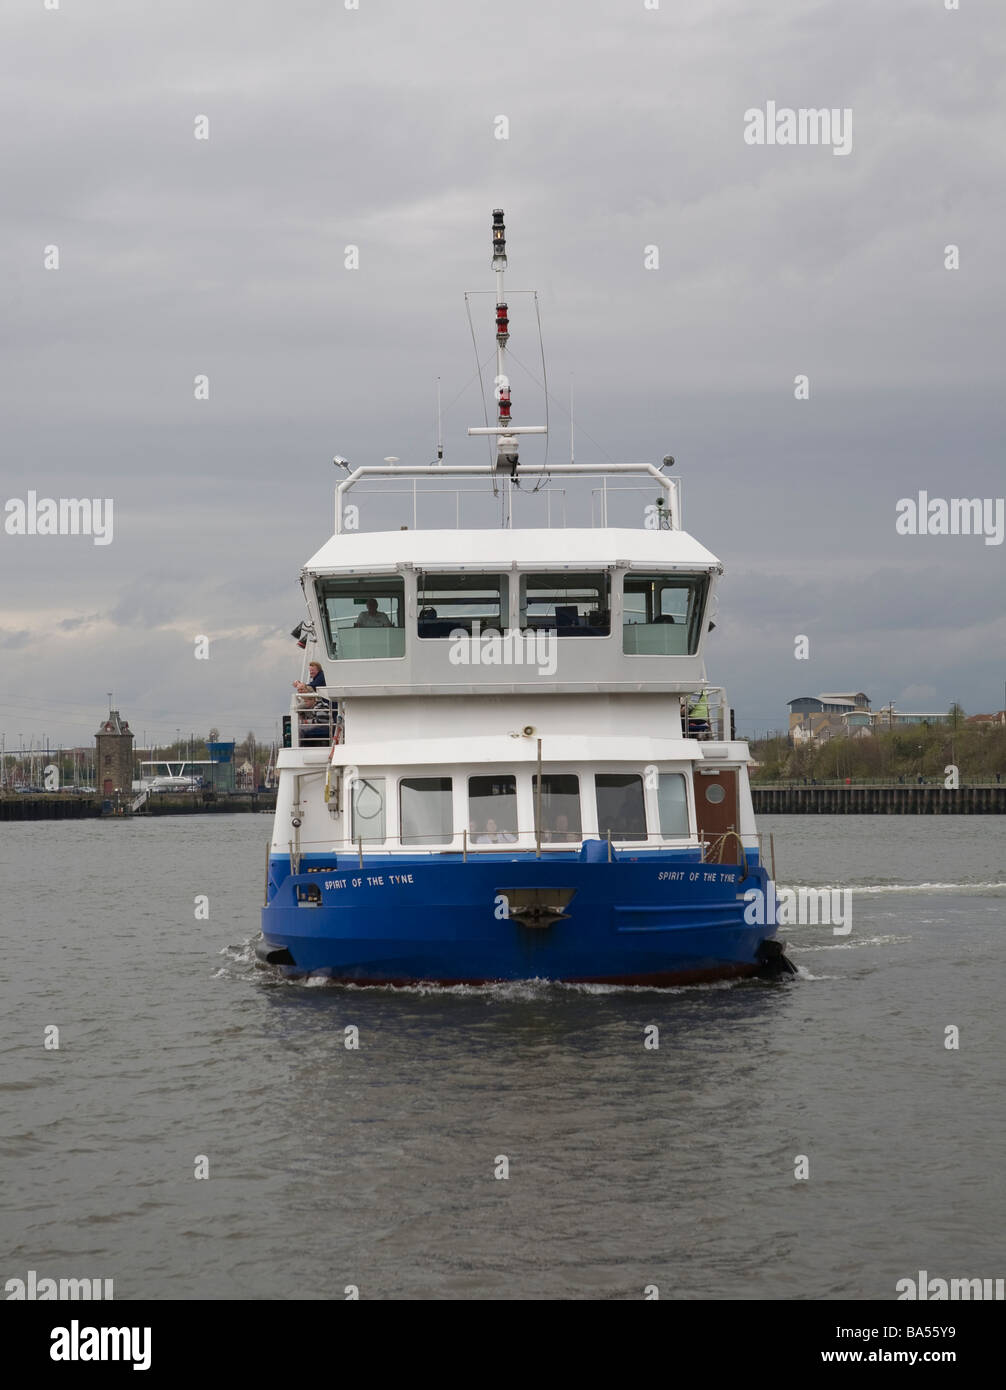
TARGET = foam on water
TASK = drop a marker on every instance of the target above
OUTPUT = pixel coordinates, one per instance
(898, 887)
(242, 955)
(854, 944)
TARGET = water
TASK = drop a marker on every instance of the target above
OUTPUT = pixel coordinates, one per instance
(374, 1168)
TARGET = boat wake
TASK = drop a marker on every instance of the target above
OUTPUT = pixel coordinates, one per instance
(853, 944)
(242, 964)
(905, 887)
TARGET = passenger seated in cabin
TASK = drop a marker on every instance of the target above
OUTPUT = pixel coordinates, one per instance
(372, 617)
(560, 831)
(493, 835)
(317, 678)
(629, 822)
(425, 614)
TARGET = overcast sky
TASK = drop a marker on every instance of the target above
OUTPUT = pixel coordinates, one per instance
(375, 127)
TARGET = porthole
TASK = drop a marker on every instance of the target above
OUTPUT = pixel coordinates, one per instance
(715, 793)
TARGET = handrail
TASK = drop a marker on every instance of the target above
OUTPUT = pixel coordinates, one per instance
(465, 841)
(718, 847)
(299, 708)
(448, 470)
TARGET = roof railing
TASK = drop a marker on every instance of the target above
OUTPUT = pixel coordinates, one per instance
(666, 508)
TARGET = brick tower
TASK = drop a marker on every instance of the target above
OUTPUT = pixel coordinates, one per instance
(113, 759)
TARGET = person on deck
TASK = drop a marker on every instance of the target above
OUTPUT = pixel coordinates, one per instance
(317, 680)
(312, 712)
(698, 715)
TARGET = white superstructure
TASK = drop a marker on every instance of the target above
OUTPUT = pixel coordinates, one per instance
(553, 673)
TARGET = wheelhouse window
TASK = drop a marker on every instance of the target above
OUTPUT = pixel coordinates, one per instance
(456, 602)
(560, 807)
(570, 605)
(620, 807)
(426, 806)
(672, 805)
(369, 820)
(492, 809)
(662, 613)
(363, 616)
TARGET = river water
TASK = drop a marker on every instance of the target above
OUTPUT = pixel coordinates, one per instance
(374, 1168)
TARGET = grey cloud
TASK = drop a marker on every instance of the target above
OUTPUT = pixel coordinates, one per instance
(374, 127)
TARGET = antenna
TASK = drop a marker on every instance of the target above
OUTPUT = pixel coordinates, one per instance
(571, 459)
(439, 426)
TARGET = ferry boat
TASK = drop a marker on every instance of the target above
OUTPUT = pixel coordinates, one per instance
(508, 762)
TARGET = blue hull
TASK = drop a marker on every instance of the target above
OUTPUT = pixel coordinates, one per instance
(657, 918)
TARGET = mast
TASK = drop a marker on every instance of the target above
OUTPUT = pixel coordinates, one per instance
(505, 432)
(502, 322)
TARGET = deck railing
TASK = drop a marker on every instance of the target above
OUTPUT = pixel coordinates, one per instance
(659, 505)
(717, 849)
(313, 721)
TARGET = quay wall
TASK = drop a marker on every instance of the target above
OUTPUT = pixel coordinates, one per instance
(988, 799)
(67, 806)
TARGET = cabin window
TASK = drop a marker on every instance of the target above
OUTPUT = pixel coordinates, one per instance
(570, 605)
(662, 613)
(456, 602)
(620, 807)
(492, 809)
(560, 807)
(672, 805)
(427, 810)
(363, 616)
(369, 822)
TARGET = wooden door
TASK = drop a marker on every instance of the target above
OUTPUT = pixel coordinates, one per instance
(716, 808)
